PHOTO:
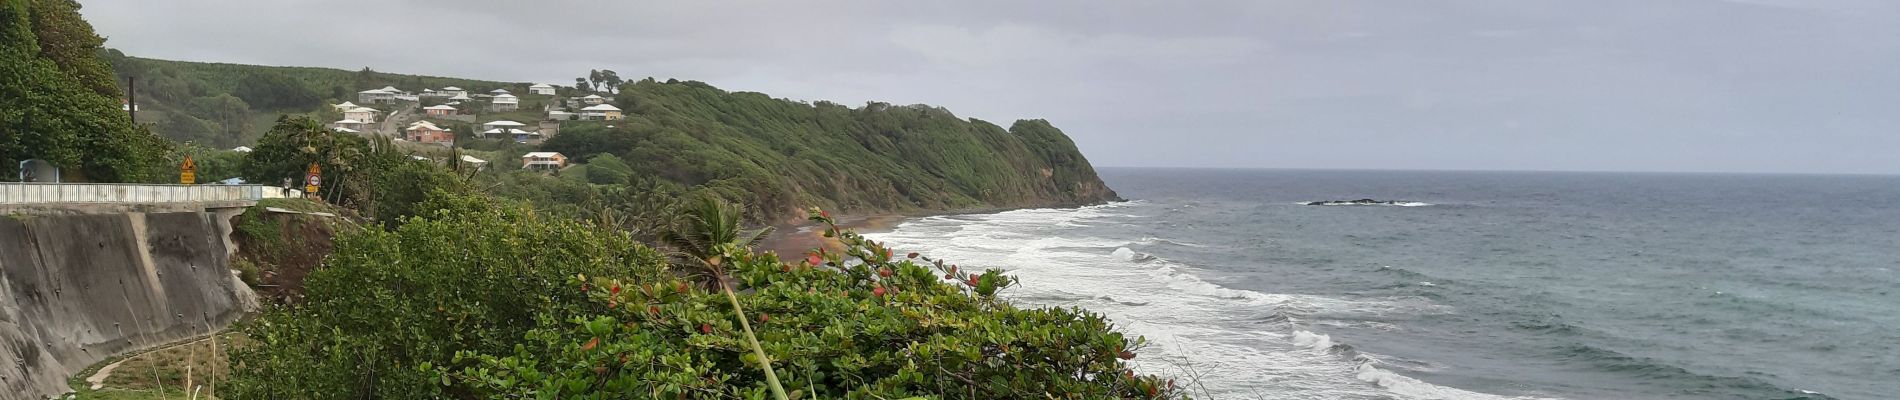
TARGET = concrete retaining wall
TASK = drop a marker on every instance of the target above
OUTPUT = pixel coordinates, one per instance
(77, 289)
(39, 193)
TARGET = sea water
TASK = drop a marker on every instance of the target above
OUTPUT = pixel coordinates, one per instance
(1479, 285)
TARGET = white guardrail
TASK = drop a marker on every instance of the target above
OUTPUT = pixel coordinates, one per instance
(38, 193)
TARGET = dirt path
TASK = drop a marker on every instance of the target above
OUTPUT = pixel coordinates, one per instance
(98, 379)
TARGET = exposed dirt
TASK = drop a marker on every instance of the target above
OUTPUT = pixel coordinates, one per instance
(285, 248)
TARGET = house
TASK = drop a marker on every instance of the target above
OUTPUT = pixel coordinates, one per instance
(453, 92)
(374, 96)
(558, 115)
(460, 97)
(543, 160)
(542, 89)
(498, 91)
(523, 136)
(341, 129)
(347, 124)
(439, 110)
(241, 149)
(603, 112)
(361, 114)
(426, 132)
(593, 99)
(345, 106)
(505, 102)
(502, 124)
(474, 162)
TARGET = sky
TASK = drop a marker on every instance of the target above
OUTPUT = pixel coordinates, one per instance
(1787, 86)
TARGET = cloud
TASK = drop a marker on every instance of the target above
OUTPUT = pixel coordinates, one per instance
(1743, 85)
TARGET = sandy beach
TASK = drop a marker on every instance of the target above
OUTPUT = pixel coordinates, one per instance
(791, 240)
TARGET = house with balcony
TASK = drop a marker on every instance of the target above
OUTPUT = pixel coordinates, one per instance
(545, 160)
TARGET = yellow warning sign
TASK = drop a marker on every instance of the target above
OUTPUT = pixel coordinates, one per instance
(188, 174)
(312, 180)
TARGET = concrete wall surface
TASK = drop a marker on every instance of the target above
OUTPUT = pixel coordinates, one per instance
(35, 193)
(78, 289)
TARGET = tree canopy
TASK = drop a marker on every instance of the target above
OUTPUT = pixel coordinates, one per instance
(59, 103)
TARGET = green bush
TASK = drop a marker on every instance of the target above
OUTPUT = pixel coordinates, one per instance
(480, 300)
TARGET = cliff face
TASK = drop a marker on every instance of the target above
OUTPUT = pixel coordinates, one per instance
(77, 289)
(781, 156)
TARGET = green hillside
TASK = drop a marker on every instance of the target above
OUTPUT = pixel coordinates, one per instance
(679, 137)
(226, 105)
(779, 155)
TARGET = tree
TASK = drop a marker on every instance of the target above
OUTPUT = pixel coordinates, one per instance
(705, 235)
(610, 80)
(606, 169)
(581, 85)
(275, 91)
(59, 103)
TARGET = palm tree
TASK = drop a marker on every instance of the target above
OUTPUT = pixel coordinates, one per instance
(704, 234)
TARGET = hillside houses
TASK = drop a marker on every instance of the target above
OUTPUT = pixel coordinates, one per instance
(361, 114)
(541, 89)
(376, 96)
(504, 102)
(439, 111)
(602, 112)
(593, 99)
(349, 125)
(543, 160)
(427, 132)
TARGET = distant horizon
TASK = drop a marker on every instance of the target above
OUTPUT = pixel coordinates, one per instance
(1631, 172)
(1709, 86)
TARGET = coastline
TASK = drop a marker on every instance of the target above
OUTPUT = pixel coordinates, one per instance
(795, 238)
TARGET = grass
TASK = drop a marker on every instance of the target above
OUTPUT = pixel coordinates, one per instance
(162, 373)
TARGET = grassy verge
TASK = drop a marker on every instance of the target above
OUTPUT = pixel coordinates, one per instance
(165, 372)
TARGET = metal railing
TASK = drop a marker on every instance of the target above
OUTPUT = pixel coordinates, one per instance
(38, 193)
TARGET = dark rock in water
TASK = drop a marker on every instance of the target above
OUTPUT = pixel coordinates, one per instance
(1359, 202)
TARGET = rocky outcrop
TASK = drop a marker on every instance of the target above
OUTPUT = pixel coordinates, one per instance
(77, 289)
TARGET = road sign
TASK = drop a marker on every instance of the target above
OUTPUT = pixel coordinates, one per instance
(313, 179)
(188, 174)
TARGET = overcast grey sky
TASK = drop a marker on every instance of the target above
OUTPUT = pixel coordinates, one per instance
(1634, 85)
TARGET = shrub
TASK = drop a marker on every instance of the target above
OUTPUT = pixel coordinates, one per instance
(857, 324)
(480, 300)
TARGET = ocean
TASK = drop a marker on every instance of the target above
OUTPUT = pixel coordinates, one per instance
(1478, 285)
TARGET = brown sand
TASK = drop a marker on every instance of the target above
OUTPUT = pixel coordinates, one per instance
(792, 240)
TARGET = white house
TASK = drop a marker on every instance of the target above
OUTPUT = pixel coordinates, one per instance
(453, 92)
(593, 99)
(541, 88)
(340, 129)
(241, 149)
(349, 125)
(559, 115)
(502, 124)
(543, 159)
(605, 112)
(460, 97)
(504, 102)
(474, 162)
(345, 106)
(361, 114)
(498, 91)
(374, 96)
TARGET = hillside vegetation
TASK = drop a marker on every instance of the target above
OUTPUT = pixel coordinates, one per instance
(58, 102)
(225, 105)
(779, 155)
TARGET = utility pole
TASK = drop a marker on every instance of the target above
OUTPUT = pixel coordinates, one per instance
(132, 98)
